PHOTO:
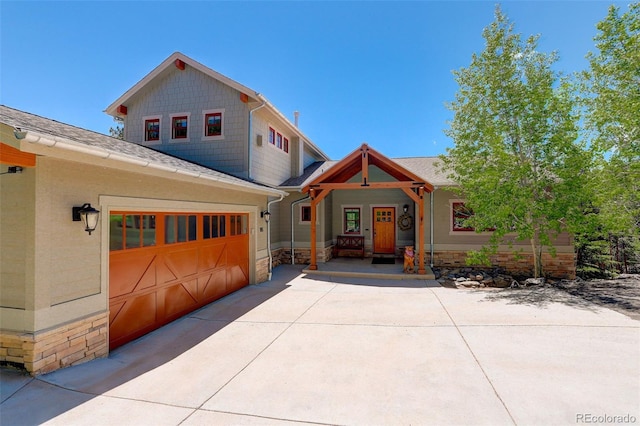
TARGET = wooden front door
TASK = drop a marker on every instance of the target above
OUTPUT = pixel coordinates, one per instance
(384, 230)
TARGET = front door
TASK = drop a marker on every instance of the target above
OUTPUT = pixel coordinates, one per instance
(384, 230)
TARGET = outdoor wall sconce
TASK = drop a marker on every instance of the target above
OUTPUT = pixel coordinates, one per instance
(405, 208)
(88, 215)
(265, 215)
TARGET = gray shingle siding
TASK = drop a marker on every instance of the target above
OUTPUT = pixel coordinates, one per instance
(190, 91)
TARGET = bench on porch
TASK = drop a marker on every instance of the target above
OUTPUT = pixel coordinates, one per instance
(353, 244)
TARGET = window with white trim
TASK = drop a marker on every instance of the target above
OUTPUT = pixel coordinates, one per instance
(278, 140)
(152, 128)
(213, 120)
(180, 126)
(351, 220)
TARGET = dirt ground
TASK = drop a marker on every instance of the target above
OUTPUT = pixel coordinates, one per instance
(621, 294)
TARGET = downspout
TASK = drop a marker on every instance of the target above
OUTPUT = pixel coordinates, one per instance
(249, 139)
(269, 237)
(431, 223)
(293, 257)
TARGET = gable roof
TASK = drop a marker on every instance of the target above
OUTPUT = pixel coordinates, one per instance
(427, 168)
(167, 66)
(358, 162)
(44, 131)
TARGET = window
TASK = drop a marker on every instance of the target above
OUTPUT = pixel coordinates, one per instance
(460, 214)
(179, 127)
(305, 213)
(278, 140)
(351, 220)
(213, 124)
(272, 136)
(151, 129)
(239, 224)
(214, 226)
(179, 228)
(128, 231)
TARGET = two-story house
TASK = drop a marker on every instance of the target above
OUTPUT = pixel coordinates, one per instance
(211, 188)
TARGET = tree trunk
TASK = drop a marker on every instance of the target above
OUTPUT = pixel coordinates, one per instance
(536, 250)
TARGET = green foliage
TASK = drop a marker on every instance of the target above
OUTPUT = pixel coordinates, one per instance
(517, 157)
(117, 131)
(611, 98)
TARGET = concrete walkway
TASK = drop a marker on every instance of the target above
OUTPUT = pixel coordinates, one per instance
(312, 350)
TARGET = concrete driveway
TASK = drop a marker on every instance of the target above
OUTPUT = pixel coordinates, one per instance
(345, 351)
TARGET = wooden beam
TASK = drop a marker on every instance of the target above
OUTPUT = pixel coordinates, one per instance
(412, 195)
(314, 265)
(321, 194)
(371, 185)
(14, 157)
(364, 167)
(421, 269)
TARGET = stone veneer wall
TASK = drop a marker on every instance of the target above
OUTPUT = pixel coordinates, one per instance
(262, 270)
(46, 351)
(563, 265)
(282, 256)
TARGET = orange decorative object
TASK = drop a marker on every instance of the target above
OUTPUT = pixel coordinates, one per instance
(180, 64)
(244, 97)
(409, 260)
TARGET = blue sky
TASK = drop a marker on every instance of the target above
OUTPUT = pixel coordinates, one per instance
(376, 72)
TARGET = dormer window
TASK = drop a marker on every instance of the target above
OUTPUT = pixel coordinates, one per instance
(213, 120)
(213, 124)
(179, 126)
(152, 129)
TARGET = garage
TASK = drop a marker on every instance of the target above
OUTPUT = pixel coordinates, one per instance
(163, 265)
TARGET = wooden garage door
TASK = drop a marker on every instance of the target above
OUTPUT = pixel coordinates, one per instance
(164, 265)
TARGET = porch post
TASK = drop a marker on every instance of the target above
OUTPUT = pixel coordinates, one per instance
(313, 266)
(421, 269)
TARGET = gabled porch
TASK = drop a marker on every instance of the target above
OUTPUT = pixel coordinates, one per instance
(387, 186)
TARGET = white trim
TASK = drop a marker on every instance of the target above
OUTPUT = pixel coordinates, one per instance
(171, 117)
(144, 129)
(307, 223)
(462, 233)
(277, 132)
(351, 206)
(204, 137)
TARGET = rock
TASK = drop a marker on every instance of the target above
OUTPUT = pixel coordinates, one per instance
(515, 284)
(533, 281)
(489, 282)
(469, 283)
(479, 277)
(502, 281)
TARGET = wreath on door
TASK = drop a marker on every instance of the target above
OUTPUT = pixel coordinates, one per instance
(405, 222)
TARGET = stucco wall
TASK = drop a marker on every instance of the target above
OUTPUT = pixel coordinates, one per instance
(69, 276)
(17, 236)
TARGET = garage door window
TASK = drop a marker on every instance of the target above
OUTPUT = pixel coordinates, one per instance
(129, 231)
(180, 228)
(238, 224)
(136, 230)
(214, 226)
